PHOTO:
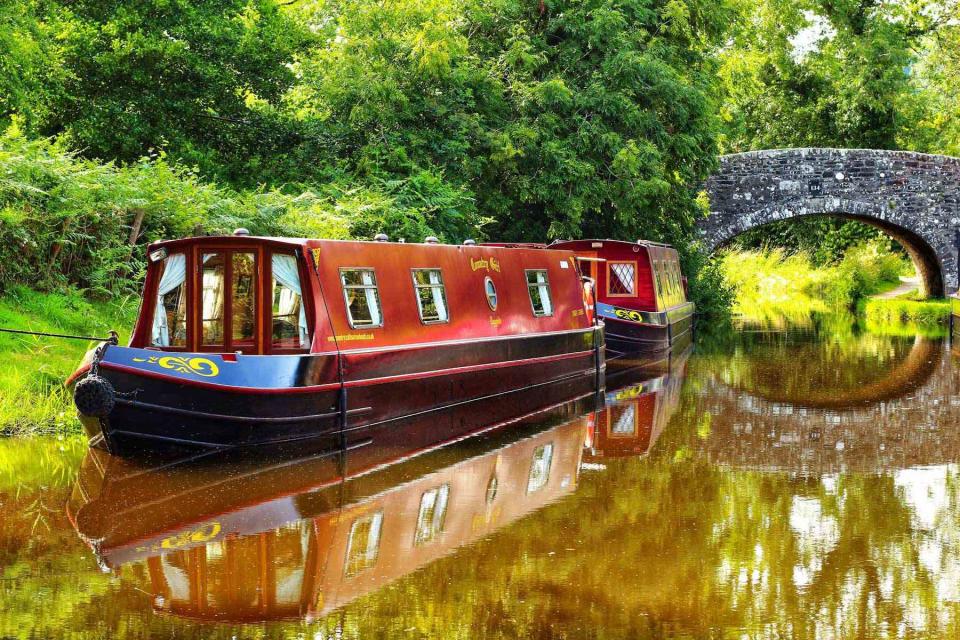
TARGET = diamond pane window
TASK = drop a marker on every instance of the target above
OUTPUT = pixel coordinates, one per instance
(624, 420)
(622, 278)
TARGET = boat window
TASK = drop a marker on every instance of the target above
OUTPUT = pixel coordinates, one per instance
(540, 467)
(363, 545)
(491, 291)
(291, 546)
(431, 295)
(492, 485)
(289, 328)
(621, 278)
(170, 314)
(433, 510)
(362, 297)
(212, 298)
(538, 286)
(244, 296)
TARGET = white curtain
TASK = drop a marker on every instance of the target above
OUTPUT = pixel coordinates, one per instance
(437, 292)
(285, 272)
(544, 289)
(545, 298)
(371, 295)
(174, 275)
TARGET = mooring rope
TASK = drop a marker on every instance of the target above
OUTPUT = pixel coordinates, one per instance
(112, 338)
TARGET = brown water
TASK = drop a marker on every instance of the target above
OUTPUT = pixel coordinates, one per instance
(772, 485)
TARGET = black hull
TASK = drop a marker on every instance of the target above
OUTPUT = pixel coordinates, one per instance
(380, 391)
(632, 344)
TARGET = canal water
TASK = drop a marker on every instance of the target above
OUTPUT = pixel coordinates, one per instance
(797, 483)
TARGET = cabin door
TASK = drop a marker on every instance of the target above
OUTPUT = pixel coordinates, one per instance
(228, 292)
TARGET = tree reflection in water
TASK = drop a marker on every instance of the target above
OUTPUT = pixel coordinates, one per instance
(788, 486)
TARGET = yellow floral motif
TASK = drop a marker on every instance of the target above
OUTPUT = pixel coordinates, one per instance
(626, 314)
(629, 394)
(201, 366)
(204, 533)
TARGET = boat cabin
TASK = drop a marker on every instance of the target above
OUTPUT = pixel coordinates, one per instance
(639, 275)
(640, 293)
(266, 296)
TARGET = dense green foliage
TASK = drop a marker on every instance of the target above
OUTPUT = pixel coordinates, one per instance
(484, 118)
(128, 122)
(69, 221)
(772, 285)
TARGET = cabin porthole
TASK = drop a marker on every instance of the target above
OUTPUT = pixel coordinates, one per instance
(491, 290)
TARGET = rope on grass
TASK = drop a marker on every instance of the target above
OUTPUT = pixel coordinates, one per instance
(113, 338)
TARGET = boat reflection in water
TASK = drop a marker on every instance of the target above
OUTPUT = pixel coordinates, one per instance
(229, 539)
(637, 411)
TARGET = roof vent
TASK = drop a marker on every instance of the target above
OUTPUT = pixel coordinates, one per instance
(469, 242)
(241, 231)
(431, 240)
(381, 237)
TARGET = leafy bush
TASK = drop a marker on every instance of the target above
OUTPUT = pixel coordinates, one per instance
(864, 270)
(770, 284)
(65, 220)
(708, 288)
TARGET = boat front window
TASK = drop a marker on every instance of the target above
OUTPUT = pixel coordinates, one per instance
(289, 326)
(621, 278)
(243, 318)
(431, 295)
(212, 298)
(538, 286)
(362, 297)
(170, 314)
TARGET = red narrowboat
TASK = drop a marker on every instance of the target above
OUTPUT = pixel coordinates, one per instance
(243, 340)
(641, 296)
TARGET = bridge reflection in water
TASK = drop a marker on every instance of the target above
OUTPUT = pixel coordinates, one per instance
(229, 540)
(886, 403)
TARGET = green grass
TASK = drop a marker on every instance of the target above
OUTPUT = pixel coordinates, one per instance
(32, 396)
(905, 312)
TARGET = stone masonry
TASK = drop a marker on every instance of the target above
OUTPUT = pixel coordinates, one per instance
(913, 197)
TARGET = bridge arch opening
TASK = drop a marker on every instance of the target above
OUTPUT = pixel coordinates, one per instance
(926, 262)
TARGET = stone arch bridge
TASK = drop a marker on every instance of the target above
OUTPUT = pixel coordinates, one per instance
(913, 197)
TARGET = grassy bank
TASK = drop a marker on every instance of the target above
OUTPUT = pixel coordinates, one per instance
(32, 396)
(773, 287)
(905, 313)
